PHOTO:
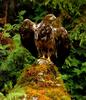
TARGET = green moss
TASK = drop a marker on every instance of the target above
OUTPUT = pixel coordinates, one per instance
(41, 81)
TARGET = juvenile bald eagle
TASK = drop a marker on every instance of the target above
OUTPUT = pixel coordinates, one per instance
(48, 38)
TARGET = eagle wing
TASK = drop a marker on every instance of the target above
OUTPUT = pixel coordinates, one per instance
(27, 32)
(62, 42)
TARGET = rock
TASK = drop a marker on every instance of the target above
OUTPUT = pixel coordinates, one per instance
(42, 81)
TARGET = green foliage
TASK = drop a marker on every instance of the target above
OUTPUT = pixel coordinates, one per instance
(3, 53)
(20, 17)
(39, 11)
(13, 65)
(2, 96)
(6, 30)
(74, 69)
(72, 7)
(12, 62)
(15, 58)
(16, 94)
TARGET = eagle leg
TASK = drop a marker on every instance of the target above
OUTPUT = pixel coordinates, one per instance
(49, 55)
(43, 56)
(49, 59)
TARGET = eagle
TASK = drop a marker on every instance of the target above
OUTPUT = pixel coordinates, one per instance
(48, 39)
(45, 40)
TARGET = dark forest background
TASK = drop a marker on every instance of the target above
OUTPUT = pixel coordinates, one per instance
(14, 58)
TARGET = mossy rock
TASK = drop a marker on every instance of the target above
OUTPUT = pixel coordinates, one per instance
(42, 81)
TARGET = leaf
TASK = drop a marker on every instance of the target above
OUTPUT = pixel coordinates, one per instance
(77, 71)
(15, 94)
(2, 96)
(1, 47)
(16, 40)
(46, 2)
(21, 13)
(65, 77)
(83, 68)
